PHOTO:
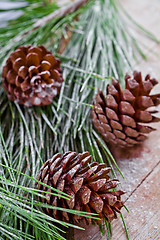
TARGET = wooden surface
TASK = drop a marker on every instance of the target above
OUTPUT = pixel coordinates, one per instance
(140, 166)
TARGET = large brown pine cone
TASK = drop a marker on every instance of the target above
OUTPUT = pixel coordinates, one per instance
(89, 186)
(32, 76)
(121, 116)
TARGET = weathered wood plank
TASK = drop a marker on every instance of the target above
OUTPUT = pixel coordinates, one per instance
(141, 165)
(144, 206)
(151, 230)
(142, 221)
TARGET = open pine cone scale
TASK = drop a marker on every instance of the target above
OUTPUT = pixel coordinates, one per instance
(122, 116)
(89, 186)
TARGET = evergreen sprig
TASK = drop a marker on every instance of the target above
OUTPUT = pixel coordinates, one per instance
(100, 48)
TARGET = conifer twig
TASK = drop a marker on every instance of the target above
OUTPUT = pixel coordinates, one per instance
(63, 11)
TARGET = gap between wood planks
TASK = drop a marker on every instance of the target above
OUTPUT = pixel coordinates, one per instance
(97, 234)
(148, 174)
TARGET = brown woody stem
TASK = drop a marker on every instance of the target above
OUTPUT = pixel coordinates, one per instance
(60, 12)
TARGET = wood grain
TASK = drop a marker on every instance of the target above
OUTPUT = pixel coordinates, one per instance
(141, 165)
(144, 205)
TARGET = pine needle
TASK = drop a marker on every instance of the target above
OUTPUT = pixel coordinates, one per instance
(100, 48)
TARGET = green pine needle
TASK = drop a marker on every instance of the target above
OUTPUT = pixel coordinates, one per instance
(100, 48)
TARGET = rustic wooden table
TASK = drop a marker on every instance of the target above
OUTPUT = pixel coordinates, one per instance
(140, 166)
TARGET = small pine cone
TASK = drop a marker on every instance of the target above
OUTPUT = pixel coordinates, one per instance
(32, 76)
(121, 116)
(89, 186)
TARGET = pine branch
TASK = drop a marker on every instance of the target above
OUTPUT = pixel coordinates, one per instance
(60, 12)
(98, 45)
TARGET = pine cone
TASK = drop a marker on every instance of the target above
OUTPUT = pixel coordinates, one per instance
(89, 185)
(121, 116)
(32, 76)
